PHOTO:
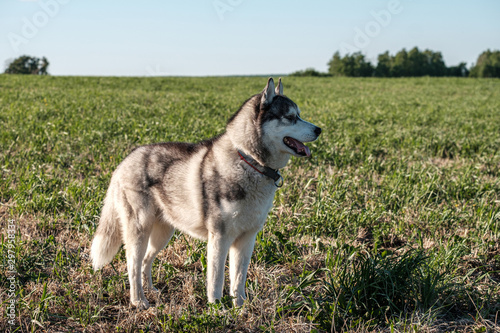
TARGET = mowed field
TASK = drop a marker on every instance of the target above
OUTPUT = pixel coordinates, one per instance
(392, 225)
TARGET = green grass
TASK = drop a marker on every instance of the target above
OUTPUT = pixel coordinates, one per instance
(392, 225)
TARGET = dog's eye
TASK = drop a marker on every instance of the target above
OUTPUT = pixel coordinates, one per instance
(291, 118)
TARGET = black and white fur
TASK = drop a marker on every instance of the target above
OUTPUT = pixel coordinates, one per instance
(205, 190)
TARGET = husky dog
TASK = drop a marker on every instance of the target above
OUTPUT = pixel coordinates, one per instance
(219, 190)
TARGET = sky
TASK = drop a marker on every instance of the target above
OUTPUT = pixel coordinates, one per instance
(237, 37)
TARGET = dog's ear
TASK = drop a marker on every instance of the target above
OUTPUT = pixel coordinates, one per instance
(268, 94)
(279, 88)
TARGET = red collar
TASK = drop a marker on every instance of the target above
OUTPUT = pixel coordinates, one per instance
(271, 173)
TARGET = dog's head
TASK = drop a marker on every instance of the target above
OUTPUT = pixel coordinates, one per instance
(283, 130)
(269, 128)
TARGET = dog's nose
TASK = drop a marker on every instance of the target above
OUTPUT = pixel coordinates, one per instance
(317, 131)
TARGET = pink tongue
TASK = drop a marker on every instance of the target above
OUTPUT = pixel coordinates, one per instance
(300, 147)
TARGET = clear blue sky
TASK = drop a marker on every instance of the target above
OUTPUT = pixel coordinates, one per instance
(231, 37)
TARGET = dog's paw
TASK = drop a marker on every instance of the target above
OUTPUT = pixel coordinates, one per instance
(152, 289)
(238, 302)
(238, 299)
(141, 304)
(149, 288)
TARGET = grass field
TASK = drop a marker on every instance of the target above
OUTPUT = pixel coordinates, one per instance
(392, 225)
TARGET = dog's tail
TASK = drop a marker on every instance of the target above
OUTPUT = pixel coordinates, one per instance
(107, 238)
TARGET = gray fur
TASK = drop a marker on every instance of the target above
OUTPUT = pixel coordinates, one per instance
(204, 190)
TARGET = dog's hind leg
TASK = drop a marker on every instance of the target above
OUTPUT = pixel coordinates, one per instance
(137, 223)
(158, 239)
(239, 259)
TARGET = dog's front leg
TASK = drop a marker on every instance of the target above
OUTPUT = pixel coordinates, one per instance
(239, 259)
(217, 249)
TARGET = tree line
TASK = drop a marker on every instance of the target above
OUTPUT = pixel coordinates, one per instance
(407, 64)
(402, 64)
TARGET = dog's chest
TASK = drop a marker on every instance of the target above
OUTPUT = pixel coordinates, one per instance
(249, 213)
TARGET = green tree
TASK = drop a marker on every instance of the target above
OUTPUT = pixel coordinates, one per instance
(44, 66)
(417, 63)
(384, 64)
(460, 70)
(350, 65)
(400, 64)
(309, 72)
(28, 65)
(335, 65)
(487, 65)
(436, 62)
(361, 66)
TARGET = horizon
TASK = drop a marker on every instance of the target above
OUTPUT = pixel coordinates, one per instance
(237, 37)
